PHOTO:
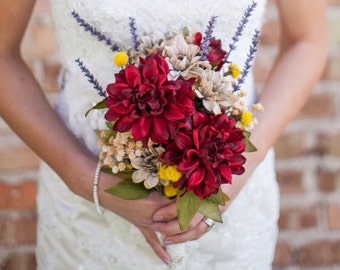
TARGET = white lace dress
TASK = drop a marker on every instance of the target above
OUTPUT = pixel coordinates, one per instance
(71, 234)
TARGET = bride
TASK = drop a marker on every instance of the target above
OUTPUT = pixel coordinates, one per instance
(71, 234)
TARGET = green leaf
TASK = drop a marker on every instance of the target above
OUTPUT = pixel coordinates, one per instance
(187, 206)
(109, 124)
(249, 146)
(106, 169)
(127, 174)
(219, 198)
(99, 105)
(211, 210)
(129, 190)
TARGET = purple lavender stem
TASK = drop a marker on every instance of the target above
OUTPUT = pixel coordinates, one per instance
(206, 40)
(240, 28)
(91, 78)
(94, 32)
(133, 30)
(249, 60)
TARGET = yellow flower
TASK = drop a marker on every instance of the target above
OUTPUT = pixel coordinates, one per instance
(170, 191)
(234, 70)
(121, 59)
(246, 118)
(169, 173)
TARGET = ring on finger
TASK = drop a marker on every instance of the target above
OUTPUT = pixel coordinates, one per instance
(210, 222)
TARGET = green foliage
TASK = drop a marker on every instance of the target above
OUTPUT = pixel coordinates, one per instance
(211, 210)
(129, 190)
(187, 206)
(99, 105)
(249, 146)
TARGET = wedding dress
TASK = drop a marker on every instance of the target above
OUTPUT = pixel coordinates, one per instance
(71, 234)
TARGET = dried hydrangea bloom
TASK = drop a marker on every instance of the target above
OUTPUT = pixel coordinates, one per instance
(116, 150)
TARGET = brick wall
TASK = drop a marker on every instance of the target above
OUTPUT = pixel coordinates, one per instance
(307, 155)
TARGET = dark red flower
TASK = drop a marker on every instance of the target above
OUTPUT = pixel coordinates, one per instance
(216, 55)
(198, 38)
(143, 100)
(208, 154)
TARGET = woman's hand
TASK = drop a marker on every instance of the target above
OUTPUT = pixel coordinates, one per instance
(138, 212)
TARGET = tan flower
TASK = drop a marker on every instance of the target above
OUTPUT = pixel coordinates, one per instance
(215, 91)
(183, 58)
(147, 166)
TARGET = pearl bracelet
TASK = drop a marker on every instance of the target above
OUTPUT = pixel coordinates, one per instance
(95, 190)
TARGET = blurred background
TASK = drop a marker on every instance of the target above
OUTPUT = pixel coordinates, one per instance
(307, 158)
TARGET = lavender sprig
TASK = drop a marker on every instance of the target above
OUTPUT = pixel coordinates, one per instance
(206, 40)
(94, 32)
(240, 28)
(133, 30)
(249, 60)
(91, 78)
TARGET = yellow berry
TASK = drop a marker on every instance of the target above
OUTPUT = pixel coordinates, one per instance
(169, 173)
(246, 118)
(170, 191)
(121, 59)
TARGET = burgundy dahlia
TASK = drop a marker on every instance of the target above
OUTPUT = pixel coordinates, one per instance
(208, 154)
(144, 101)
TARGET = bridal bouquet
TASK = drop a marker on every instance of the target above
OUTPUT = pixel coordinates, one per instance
(175, 116)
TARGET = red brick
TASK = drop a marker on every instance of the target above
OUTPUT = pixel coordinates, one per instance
(19, 230)
(289, 181)
(328, 144)
(21, 196)
(319, 253)
(327, 180)
(298, 218)
(332, 70)
(283, 254)
(292, 145)
(318, 106)
(333, 217)
(18, 157)
(20, 261)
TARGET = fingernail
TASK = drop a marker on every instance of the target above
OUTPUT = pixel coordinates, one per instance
(155, 228)
(158, 217)
(166, 261)
(167, 242)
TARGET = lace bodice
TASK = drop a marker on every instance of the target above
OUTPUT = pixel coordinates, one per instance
(111, 17)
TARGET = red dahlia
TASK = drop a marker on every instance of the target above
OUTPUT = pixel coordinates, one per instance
(208, 154)
(144, 101)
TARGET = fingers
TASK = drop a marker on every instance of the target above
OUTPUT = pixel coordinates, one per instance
(191, 234)
(152, 239)
(173, 234)
(172, 227)
(166, 213)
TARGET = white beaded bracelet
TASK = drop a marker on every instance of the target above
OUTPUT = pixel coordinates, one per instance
(95, 190)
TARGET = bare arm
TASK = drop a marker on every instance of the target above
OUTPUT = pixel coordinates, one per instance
(298, 66)
(24, 107)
